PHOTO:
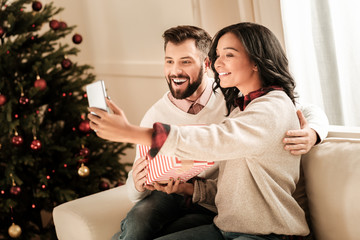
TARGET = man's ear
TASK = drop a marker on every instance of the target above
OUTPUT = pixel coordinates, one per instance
(207, 62)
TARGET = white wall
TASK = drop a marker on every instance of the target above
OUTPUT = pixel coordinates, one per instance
(122, 40)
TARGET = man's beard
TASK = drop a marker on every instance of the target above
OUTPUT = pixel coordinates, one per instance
(191, 88)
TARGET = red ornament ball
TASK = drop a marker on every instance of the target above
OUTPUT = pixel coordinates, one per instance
(77, 38)
(36, 6)
(84, 151)
(66, 64)
(23, 100)
(15, 190)
(54, 24)
(84, 126)
(40, 83)
(2, 32)
(104, 185)
(17, 140)
(35, 144)
(2, 99)
(62, 25)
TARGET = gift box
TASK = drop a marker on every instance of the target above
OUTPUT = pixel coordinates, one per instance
(161, 168)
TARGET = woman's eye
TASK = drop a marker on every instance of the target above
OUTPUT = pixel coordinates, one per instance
(229, 55)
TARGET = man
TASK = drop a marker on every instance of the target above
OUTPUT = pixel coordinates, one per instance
(191, 101)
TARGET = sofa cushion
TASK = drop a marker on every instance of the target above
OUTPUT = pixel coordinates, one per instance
(332, 178)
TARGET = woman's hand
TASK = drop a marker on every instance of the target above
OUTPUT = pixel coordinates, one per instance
(109, 126)
(115, 127)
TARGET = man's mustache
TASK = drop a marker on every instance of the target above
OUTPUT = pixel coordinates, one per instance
(178, 76)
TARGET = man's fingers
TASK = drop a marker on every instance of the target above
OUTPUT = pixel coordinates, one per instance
(140, 174)
(140, 184)
(139, 165)
(149, 187)
(302, 119)
(296, 133)
(296, 140)
(298, 152)
(295, 146)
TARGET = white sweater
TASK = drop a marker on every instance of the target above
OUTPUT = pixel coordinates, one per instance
(256, 175)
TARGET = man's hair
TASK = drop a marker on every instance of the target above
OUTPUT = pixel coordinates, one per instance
(179, 34)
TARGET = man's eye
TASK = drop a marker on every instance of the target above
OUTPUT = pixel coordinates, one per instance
(169, 61)
(186, 62)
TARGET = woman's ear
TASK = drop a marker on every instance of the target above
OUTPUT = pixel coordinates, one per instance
(255, 68)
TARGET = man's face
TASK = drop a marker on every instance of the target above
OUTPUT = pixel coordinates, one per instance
(183, 69)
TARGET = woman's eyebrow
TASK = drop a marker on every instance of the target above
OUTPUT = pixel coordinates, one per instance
(231, 48)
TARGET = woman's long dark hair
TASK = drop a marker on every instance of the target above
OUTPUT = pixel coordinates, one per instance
(265, 51)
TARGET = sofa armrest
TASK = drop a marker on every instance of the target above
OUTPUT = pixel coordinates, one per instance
(93, 217)
(332, 176)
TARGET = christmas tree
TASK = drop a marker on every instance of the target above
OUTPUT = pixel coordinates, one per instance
(48, 153)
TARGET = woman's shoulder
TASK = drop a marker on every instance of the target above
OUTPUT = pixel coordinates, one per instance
(275, 97)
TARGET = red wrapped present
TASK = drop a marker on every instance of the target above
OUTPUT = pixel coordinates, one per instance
(162, 168)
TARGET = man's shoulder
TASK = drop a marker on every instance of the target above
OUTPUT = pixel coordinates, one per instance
(154, 113)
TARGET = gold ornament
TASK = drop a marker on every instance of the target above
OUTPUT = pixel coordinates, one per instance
(14, 231)
(83, 171)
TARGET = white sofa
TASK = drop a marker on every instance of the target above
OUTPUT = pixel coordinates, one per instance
(332, 180)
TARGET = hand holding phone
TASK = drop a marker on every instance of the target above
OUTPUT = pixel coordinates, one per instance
(96, 94)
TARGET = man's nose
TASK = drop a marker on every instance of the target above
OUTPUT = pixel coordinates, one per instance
(176, 69)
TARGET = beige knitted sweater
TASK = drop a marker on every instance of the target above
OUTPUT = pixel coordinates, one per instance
(256, 176)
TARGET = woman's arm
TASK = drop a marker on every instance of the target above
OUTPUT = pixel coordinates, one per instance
(115, 127)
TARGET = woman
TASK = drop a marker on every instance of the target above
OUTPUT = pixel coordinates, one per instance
(256, 175)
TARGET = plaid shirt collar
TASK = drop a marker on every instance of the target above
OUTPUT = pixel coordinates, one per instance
(243, 101)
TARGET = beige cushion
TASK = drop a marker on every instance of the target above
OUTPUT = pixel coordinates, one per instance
(332, 179)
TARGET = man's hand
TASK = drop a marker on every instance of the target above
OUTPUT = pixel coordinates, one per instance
(300, 141)
(175, 187)
(139, 171)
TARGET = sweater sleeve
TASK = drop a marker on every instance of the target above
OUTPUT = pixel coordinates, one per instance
(205, 191)
(160, 134)
(316, 119)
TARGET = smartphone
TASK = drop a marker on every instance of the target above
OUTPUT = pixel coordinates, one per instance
(96, 94)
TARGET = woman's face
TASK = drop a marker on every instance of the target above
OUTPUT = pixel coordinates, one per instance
(234, 66)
